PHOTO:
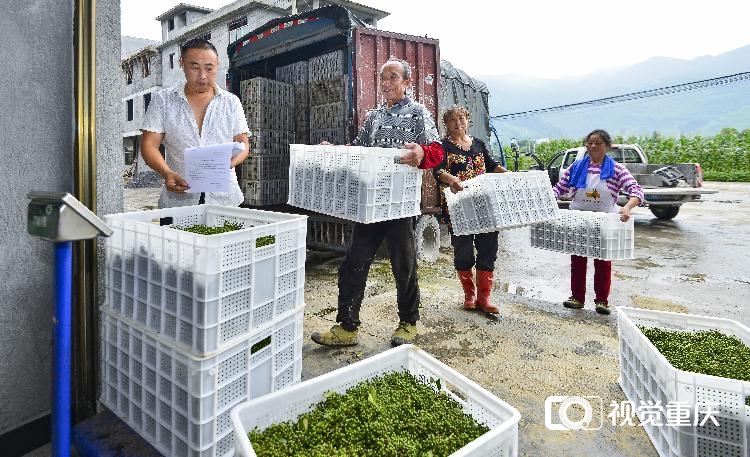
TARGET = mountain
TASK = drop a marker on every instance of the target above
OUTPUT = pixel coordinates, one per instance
(704, 111)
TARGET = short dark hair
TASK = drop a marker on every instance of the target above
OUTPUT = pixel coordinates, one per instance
(603, 134)
(197, 43)
(457, 109)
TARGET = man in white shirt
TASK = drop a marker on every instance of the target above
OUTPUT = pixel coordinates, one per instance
(196, 114)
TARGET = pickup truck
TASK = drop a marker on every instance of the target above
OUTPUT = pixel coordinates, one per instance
(665, 186)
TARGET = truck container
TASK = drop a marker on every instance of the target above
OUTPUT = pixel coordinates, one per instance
(305, 46)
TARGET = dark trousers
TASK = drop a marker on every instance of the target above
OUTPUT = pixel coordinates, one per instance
(463, 251)
(602, 278)
(366, 238)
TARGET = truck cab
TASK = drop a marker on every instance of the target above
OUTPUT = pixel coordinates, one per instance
(622, 153)
(665, 186)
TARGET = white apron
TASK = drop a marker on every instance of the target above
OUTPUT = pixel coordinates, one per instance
(595, 197)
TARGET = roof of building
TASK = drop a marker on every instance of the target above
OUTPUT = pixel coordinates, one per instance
(131, 45)
(182, 7)
(221, 14)
(376, 13)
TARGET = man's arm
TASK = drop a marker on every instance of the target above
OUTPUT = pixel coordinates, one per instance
(423, 155)
(239, 158)
(150, 142)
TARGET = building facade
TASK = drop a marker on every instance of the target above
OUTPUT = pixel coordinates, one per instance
(222, 27)
(142, 75)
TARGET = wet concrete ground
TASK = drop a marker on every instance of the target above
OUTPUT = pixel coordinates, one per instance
(696, 263)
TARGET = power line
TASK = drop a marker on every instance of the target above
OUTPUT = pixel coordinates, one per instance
(695, 85)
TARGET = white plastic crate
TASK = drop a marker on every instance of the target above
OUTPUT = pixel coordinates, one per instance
(265, 192)
(204, 291)
(354, 183)
(327, 91)
(500, 417)
(647, 376)
(588, 234)
(266, 91)
(181, 404)
(495, 201)
(257, 167)
(326, 66)
(270, 141)
(330, 116)
(262, 116)
(294, 73)
(335, 136)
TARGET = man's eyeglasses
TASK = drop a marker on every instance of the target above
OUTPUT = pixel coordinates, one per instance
(594, 143)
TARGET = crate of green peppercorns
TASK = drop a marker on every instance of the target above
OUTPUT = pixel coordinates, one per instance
(400, 402)
(205, 276)
(699, 363)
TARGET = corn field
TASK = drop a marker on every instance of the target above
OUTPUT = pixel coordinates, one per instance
(723, 157)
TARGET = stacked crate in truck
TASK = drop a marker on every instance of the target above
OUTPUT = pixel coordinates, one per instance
(269, 109)
(296, 74)
(328, 98)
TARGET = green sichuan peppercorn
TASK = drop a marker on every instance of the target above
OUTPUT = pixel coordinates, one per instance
(706, 352)
(390, 415)
(202, 229)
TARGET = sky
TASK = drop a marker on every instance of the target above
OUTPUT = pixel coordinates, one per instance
(543, 39)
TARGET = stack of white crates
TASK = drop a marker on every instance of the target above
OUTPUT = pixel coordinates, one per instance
(587, 234)
(296, 74)
(354, 183)
(647, 378)
(328, 84)
(495, 201)
(269, 109)
(195, 324)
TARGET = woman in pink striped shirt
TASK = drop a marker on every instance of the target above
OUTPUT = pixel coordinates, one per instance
(594, 183)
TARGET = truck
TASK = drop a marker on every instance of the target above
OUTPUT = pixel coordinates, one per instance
(282, 42)
(665, 186)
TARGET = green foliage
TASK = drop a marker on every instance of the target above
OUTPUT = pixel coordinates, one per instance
(203, 229)
(393, 414)
(706, 351)
(723, 157)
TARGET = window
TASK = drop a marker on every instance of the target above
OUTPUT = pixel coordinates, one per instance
(146, 101)
(237, 29)
(171, 61)
(130, 109)
(629, 155)
(146, 67)
(556, 160)
(569, 159)
(128, 69)
(170, 24)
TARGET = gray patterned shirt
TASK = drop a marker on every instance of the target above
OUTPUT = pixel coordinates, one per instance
(405, 122)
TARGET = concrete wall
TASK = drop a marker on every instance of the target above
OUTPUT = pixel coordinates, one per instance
(39, 95)
(36, 152)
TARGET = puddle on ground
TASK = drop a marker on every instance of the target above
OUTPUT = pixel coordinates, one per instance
(640, 301)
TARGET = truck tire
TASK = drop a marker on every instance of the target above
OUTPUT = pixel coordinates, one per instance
(427, 238)
(664, 213)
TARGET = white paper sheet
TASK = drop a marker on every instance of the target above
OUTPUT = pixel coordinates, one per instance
(207, 168)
